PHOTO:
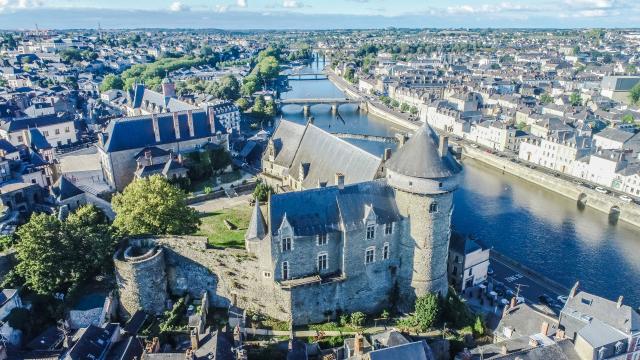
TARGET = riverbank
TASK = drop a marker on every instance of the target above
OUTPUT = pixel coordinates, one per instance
(375, 109)
(615, 208)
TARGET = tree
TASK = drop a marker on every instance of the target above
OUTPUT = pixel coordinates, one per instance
(575, 99)
(546, 98)
(258, 106)
(427, 311)
(54, 255)
(228, 88)
(270, 109)
(242, 104)
(628, 119)
(262, 191)
(249, 85)
(634, 94)
(478, 326)
(111, 82)
(153, 206)
(349, 74)
(357, 319)
(404, 107)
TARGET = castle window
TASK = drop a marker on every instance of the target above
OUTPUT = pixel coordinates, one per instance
(286, 244)
(285, 270)
(57, 131)
(371, 232)
(266, 274)
(370, 255)
(385, 251)
(388, 228)
(321, 239)
(433, 207)
(323, 261)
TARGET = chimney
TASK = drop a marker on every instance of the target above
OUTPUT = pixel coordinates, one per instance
(358, 345)
(533, 342)
(503, 350)
(560, 334)
(544, 328)
(234, 299)
(212, 119)
(190, 121)
(311, 119)
(176, 125)
(25, 137)
(340, 180)
(156, 129)
(387, 154)
(512, 303)
(443, 147)
(619, 303)
(574, 290)
(194, 340)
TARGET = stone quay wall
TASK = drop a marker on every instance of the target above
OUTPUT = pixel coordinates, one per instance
(628, 212)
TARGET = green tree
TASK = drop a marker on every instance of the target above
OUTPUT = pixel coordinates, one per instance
(405, 107)
(634, 94)
(478, 326)
(228, 88)
(242, 104)
(70, 55)
(575, 99)
(357, 319)
(427, 311)
(349, 75)
(262, 191)
(270, 109)
(92, 236)
(258, 106)
(628, 119)
(631, 69)
(111, 82)
(268, 68)
(546, 98)
(153, 206)
(249, 85)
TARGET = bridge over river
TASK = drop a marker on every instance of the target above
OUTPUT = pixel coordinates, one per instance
(335, 103)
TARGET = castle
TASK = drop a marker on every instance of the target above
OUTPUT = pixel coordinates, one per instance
(316, 253)
(361, 246)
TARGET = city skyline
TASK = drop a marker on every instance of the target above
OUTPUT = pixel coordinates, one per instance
(313, 14)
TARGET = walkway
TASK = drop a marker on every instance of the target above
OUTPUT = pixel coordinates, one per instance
(221, 203)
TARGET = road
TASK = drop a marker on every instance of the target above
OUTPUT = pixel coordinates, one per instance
(531, 288)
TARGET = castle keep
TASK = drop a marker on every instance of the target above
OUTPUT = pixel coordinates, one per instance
(318, 252)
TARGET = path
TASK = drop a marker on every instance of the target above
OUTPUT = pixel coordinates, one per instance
(221, 203)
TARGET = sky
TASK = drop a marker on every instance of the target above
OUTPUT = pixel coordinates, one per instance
(317, 14)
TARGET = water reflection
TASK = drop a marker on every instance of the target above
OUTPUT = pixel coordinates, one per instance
(547, 233)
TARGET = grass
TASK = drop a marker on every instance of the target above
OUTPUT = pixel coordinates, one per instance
(214, 228)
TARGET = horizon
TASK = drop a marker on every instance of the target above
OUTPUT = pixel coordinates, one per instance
(317, 15)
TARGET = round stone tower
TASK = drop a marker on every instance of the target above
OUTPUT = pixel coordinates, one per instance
(424, 175)
(141, 277)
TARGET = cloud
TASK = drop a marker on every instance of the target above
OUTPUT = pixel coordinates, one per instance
(19, 4)
(178, 6)
(220, 8)
(241, 3)
(291, 4)
(591, 4)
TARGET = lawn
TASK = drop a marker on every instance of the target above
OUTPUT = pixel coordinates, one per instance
(214, 228)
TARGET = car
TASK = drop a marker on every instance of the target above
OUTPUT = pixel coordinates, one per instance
(577, 182)
(490, 271)
(601, 190)
(475, 146)
(562, 299)
(457, 138)
(625, 198)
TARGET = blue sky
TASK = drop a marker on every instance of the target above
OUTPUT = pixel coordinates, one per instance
(317, 14)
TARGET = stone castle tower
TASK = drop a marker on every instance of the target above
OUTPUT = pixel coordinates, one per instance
(423, 175)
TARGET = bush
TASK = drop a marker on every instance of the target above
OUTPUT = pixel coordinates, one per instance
(478, 326)
(427, 311)
(357, 319)
(262, 191)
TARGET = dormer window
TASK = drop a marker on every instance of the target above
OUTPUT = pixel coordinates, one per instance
(321, 239)
(619, 347)
(286, 244)
(371, 232)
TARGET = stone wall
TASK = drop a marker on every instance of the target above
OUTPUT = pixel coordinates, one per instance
(629, 212)
(142, 281)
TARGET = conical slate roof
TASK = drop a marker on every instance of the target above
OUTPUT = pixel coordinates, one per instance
(257, 228)
(420, 158)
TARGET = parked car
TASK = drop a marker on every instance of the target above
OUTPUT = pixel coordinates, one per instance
(475, 146)
(601, 190)
(490, 271)
(563, 299)
(625, 198)
(545, 299)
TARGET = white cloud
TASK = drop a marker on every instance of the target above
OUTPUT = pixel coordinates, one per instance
(221, 8)
(241, 3)
(591, 4)
(19, 4)
(291, 4)
(177, 6)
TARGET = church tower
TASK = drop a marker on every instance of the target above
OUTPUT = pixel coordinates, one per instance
(424, 176)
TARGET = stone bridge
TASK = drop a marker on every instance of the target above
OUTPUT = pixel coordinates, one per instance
(335, 103)
(382, 139)
(307, 76)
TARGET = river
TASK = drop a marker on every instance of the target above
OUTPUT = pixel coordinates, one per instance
(536, 227)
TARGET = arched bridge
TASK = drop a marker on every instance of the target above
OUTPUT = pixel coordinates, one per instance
(335, 103)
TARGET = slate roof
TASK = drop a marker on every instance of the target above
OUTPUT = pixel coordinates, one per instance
(619, 83)
(6, 295)
(286, 150)
(420, 158)
(7, 147)
(614, 134)
(92, 343)
(38, 141)
(321, 210)
(418, 350)
(47, 120)
(599, 334)
(142, 94)
(323, 155)
(64, 189)
(154, 150)
(257, 228)
(525, 321)
(137, 132)
(583, 304)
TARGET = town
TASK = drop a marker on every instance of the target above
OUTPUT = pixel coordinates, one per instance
(310, 194)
